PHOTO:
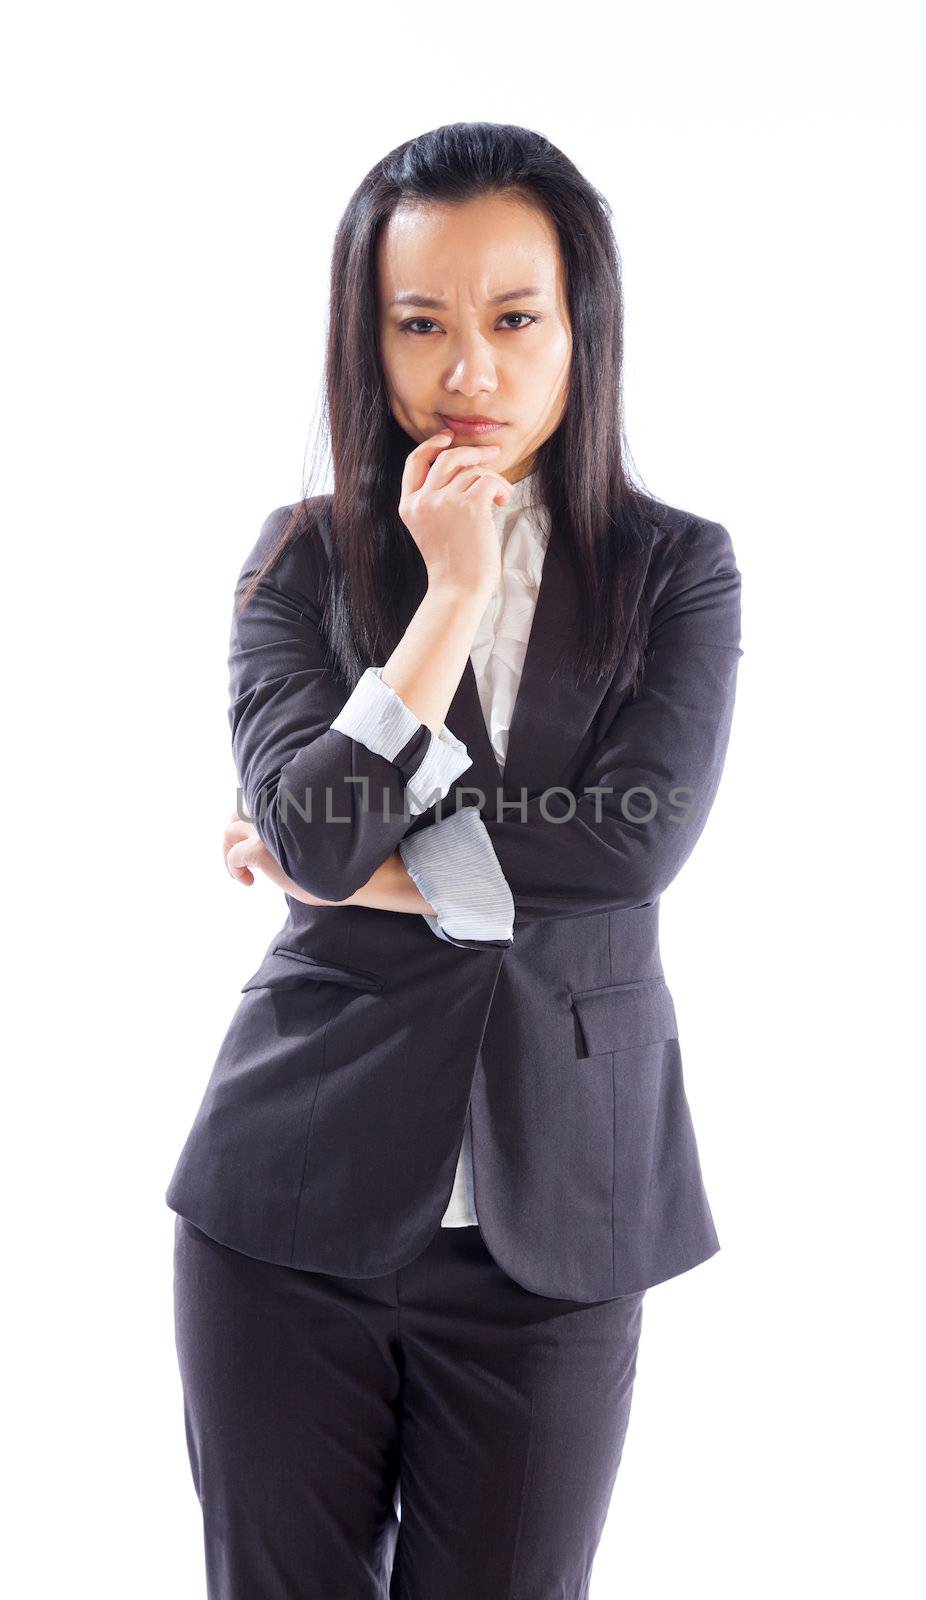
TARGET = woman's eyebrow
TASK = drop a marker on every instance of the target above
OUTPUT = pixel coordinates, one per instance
(412, 298)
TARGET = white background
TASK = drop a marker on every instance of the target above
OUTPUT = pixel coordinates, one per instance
(173, 178)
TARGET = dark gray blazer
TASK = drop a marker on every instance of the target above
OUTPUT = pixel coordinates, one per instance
(328, 1135)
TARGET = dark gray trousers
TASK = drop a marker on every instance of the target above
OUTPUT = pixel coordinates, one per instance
(318, 1407)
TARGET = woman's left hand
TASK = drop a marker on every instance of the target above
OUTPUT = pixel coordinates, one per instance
(245, 853)
(389, 889)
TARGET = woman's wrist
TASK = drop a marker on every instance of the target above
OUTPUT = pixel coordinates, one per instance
(391, 888)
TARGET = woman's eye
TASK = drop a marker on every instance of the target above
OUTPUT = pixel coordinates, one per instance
(409, 327)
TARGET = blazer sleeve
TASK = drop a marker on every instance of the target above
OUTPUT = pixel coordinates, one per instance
(619, 837)
(330, 779)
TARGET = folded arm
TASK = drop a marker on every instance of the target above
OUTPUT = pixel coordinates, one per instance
(329, 808)
(453, 867)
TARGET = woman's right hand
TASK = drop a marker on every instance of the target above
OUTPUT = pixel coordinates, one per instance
(446, 505)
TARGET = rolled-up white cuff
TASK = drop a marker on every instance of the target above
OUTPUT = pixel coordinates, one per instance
(379, 718)
(454, 865)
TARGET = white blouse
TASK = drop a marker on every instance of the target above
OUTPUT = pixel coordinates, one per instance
(500, 641)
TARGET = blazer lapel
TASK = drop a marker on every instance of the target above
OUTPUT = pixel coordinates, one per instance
(551, 715)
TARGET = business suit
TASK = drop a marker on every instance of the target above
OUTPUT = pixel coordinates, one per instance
(329, 1131)
(469, 1369)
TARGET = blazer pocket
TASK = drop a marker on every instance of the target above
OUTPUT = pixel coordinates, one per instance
(288, 969)
(623, 1016)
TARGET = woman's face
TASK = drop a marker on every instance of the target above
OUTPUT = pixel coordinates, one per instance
(448, 350)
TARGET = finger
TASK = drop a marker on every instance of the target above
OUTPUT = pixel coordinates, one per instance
(228, 845)
(469, 487)
(450, 463)
(418, 461)
(236, 863)
(233, 831)
(238, 821)
(250, 852)
(500, 487)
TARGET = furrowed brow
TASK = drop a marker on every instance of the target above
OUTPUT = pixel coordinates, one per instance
(412, 298)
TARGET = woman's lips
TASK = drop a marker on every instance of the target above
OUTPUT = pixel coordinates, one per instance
(473, 427)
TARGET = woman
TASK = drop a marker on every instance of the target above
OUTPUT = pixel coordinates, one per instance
(425, 1193)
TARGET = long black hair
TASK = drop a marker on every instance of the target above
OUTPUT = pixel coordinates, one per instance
(377, 575)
